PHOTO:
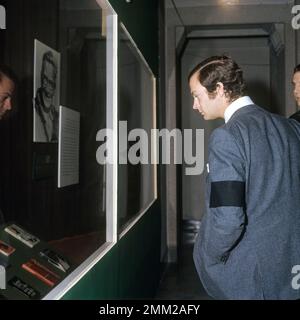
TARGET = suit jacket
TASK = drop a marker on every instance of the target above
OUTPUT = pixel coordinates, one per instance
(249, 239)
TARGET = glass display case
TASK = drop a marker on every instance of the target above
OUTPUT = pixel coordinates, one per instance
(51, 236)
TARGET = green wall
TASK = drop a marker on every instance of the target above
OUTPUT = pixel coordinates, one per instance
(132, 268)
(141, 20)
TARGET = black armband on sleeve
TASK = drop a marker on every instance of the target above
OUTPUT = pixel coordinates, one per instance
(227, 194)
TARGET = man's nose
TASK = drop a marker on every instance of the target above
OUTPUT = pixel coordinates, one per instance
(8, 104)
(195, 104)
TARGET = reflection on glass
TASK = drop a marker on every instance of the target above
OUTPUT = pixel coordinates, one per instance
(136, 103)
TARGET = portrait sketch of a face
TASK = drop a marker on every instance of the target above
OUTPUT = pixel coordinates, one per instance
(46, 93)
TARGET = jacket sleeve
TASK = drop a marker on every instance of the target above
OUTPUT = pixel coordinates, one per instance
(226, 196)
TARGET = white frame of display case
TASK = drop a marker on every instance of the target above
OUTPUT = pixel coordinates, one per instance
(111, 170)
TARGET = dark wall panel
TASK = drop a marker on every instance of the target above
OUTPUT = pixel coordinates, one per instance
(30, 202)
(141, 20)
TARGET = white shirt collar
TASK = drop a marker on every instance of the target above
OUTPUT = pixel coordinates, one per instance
(235, 105)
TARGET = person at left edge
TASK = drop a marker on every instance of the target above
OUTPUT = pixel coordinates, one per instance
(296, 92)
(7, 88)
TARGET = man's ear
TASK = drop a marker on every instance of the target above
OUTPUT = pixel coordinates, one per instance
(220, 89)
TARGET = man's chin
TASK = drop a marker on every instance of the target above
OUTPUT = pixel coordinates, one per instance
(207, 117)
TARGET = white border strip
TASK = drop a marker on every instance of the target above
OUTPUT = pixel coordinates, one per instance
(155, 140)
(112, 124)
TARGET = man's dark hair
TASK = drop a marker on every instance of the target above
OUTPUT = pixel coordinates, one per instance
(297, 68)
(220, 69)
(6, 71)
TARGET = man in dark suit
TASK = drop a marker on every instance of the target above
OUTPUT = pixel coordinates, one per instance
(296, 91)
(7, 87)
(249, 239)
